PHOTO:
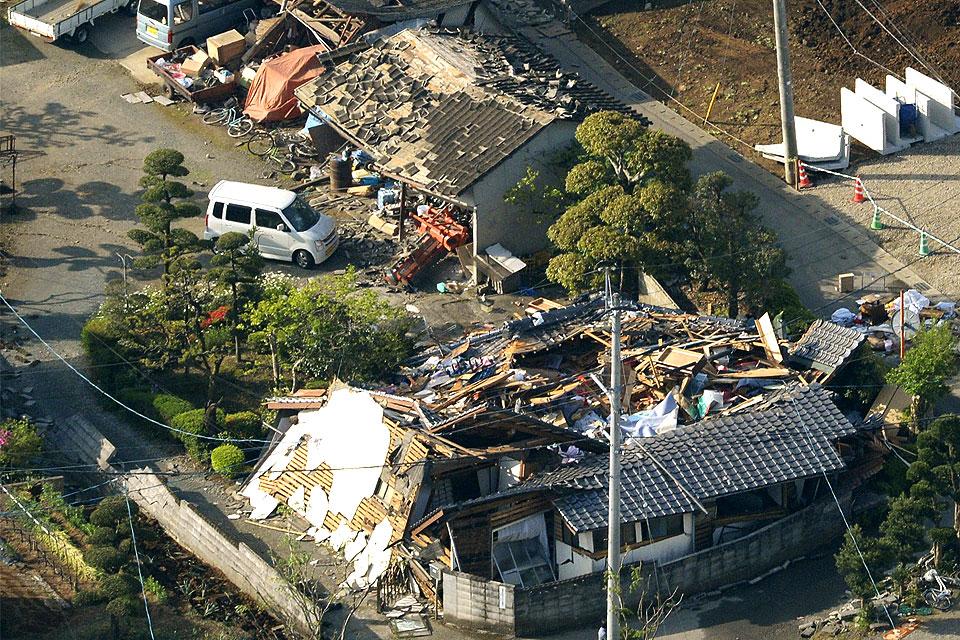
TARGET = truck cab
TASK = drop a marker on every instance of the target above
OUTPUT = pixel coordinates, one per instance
(171, 24)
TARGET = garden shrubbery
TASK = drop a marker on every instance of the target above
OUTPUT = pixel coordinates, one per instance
(227, 459)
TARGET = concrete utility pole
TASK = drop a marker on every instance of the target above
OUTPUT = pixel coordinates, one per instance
(613, 515)
(786, 93)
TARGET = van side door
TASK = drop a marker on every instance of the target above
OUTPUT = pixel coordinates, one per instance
(273, 235)
(236, 217)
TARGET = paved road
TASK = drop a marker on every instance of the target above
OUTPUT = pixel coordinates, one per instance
(819, 242)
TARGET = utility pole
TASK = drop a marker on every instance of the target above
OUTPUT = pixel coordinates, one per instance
(613, 514)
(786, 93)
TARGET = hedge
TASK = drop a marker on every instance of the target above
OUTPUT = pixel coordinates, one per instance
(227, 459)
(243, 424)
(191, 422)
(169, 407)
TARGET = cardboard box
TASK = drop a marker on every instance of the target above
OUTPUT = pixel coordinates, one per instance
(196, 63)
(226, 47)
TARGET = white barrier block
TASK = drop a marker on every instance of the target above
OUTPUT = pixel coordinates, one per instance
(940, 107)
(930, 131)
(891, 110)
(864, 121)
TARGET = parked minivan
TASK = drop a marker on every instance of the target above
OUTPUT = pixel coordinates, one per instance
(285, 227)
(171, 24)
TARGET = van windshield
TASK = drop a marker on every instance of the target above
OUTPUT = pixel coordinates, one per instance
(153, 10)
(300, 216)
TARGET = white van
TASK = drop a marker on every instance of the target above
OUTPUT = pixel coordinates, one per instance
(285, 227)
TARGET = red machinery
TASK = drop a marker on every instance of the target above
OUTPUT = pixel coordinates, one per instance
(440, 234)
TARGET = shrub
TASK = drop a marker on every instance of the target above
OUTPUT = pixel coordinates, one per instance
(120, 584)
(103, 536)
(139, 399)
(110, 512)
(125, 607)
(243, 424)
(192, 423)
(99, 338)
(169, 406)
(106, 559)
(19, 443)
(125, 546)
(227, 459)
(154, 588)
(85, 598)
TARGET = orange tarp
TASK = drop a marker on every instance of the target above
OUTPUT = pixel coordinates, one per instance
(270, 97)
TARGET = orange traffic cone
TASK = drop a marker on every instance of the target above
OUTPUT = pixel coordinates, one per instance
(858, 191)
(803, 180)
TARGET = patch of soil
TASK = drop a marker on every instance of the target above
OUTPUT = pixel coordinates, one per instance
(688, 49)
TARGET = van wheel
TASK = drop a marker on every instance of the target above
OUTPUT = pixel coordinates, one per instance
(303, 259)
(130, 8)
(81, 34)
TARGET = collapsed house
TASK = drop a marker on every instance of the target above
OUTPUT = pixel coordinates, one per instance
(485, 461)
(456, 115)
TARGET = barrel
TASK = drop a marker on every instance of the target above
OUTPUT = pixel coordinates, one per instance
(341, 173)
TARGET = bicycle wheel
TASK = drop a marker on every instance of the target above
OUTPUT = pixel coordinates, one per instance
(282, 163)
(304, 150)
(261, 143)
(215, 116)
(240, 127)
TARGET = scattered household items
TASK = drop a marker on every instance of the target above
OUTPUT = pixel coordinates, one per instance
(819, 144)
(8, 171)
(284, 226)
(270, 97)
(55, 19)
(188, 72)
(440, 234)
(919, 109)
(228, 115)
(171, 24)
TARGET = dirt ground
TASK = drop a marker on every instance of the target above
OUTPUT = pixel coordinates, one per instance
(690, 48)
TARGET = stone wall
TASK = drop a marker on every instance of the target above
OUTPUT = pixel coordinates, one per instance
(471, 601)
(246, 570)
(556, 606)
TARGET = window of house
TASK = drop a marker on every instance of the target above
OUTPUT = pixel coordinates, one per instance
(600, 539)
(628, 533)
(522, 562)
(666, 527)
(269, 219)
(568, 537)
(238, 213)
(217, 210)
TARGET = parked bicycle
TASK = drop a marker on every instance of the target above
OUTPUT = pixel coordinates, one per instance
(287, 151)
(939, 595)
(229, 115)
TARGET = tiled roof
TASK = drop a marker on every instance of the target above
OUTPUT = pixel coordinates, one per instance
(791, 438)
(443, 107)
(396, 9)
(826, 346)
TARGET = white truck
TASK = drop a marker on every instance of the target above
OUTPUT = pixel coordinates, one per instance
(53, 19)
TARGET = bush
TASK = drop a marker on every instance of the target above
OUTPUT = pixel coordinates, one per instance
(110, 512)
(227, 459)
(99, 338)
(783, 299)
(118, 585)
(139, 399)
(169, 407)
(243, 424)
(106, 559)
(103, 536)
(192, 423)
(84, 598)
(125, 607)
(19, 443)
(125, 546)
(154, 588)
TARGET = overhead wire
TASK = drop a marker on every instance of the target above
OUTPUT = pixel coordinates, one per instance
(136, 553)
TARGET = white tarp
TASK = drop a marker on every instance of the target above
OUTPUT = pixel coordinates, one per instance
(645, 424)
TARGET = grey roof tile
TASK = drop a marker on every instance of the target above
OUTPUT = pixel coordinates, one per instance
(826, 346)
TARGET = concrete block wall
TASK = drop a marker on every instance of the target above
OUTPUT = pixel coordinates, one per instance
(471, 601)
(246, 570)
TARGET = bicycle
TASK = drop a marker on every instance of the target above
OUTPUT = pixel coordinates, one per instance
(287, 151)
(238, 125)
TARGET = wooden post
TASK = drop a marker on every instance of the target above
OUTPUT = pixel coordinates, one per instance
(403, 206)
(713, 99)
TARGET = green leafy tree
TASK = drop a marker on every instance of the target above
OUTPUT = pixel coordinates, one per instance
(236, 263)
(904, 528)
(328, 328)
(850, 565)
(728, 248)
(630, 190)
(227, 459)
(857, 385)
(19, 443)
(925, 368)
(936, 472)
(535, 196)
(162, 205)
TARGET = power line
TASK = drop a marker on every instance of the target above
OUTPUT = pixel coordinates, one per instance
(136, 553)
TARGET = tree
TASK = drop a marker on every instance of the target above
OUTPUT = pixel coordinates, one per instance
(532, 195)
(850, 565)
(19, 443)
(236, 263)
(652, 610)
(925, 368)
(328, 328)
(904, 529)
(162, 205)
(728, 248)
(936, 471)
(630, 190)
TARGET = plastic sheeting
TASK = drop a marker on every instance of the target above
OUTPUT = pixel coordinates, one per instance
(645, 424)
(270, 96)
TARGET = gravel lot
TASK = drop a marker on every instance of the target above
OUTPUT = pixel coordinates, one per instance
(920, 185)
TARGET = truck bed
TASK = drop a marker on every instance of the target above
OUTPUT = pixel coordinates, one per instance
(55, 11)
